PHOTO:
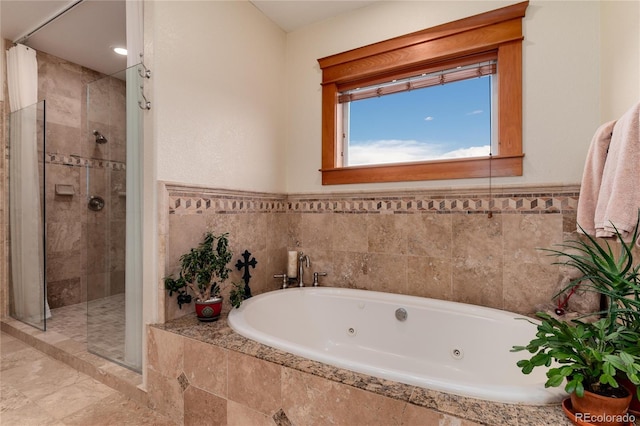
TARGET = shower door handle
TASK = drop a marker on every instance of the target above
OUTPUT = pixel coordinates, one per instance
(96, 203)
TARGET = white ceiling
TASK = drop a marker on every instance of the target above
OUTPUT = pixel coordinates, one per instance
(293, 14)
(88, 31)
(85, 34)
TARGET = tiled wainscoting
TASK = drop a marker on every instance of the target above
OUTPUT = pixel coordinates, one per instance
(432, 243)
(440, 244)
(205, 373)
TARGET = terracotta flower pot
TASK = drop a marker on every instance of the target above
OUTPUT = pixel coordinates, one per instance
(635, 403)
(601, 410)
(210, 309)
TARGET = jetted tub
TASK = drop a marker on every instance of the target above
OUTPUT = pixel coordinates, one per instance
(445, 346)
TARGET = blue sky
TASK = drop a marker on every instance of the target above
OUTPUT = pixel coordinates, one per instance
(436, 122)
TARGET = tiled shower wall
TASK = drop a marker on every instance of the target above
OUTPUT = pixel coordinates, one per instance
(432, 243)
(81, 244)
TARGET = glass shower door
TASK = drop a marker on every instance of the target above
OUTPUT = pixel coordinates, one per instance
(112, 301)
(28, 299)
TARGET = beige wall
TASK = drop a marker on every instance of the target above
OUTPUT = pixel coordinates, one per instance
(561, 84)
(619, 57)
(218, 97)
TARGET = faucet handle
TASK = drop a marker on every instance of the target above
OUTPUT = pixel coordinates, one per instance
(285, 279)
(315, 277)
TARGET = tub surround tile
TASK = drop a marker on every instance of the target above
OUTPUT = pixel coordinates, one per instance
(525, 280)
(165, 396)
(525, 235)
(255, 383)
(371, 271)
(478, 283)
(309, 399)
(429, 235)
(473, 409)
(387, 234)
(165, 353)
(429, 277)
(349, 233)
(317, 231)
(434, 243)
(205, 366)
(414, 415)
(264, 380)
(201, 407)
(238, 415)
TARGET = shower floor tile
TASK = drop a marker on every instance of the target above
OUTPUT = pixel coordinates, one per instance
(99, 324)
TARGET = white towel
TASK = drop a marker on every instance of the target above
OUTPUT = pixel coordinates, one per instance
(592, 178)
(619, 198)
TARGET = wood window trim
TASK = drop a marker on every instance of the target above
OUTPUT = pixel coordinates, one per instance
(498, 31)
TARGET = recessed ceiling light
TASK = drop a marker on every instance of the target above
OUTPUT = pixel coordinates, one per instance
(120, 51)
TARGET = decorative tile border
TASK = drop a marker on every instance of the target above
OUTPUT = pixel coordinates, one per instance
(190, 200)
(72, 160)
(557, 203)
(198, 200)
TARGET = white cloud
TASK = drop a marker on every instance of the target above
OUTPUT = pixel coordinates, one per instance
(475, 112)
(401, 151)
(429, 118)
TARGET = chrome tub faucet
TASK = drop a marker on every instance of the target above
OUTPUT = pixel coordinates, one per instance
(302, 259)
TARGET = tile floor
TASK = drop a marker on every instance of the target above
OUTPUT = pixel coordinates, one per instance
(100, 324)
(36, 389)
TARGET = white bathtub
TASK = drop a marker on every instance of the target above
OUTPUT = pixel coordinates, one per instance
(445, 346)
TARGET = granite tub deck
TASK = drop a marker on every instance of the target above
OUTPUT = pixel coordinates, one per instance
(194, 365)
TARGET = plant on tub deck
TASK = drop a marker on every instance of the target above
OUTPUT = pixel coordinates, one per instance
(594, 357)
(202, 271)
(590, 358)
(611, 272)
(611, 275)
(587, 355)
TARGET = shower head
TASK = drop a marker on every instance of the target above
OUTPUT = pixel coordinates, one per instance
(99, 137)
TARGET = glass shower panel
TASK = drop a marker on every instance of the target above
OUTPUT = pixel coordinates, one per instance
(28, 299)
(106, 217)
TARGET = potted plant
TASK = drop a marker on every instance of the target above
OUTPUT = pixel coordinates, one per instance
(610, 272)
(600, 357)
(202, 271)
(588, 357)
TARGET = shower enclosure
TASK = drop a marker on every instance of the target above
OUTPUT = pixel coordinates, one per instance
(88, 217)
(28, 302)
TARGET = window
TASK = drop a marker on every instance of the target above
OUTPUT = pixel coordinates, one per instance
(429, 116)
(367, 138)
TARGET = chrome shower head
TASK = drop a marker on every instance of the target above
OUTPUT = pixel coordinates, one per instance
(99, 137)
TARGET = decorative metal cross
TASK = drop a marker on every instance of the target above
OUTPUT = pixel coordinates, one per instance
(246, 276)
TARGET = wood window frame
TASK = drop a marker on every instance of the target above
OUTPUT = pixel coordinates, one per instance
(497, 32)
